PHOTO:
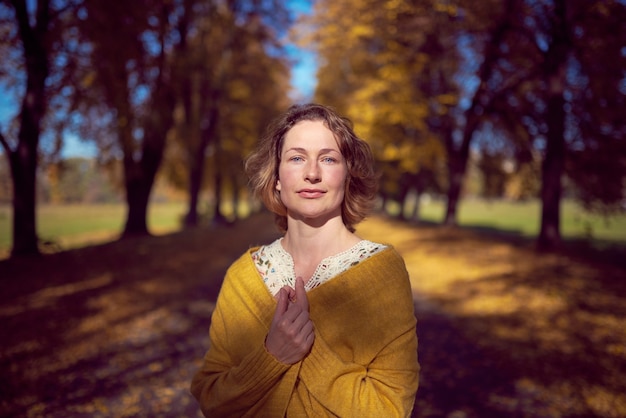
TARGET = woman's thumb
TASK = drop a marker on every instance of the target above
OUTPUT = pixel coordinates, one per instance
(301, 294)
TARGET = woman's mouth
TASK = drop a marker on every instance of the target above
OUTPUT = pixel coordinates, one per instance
(311, 193)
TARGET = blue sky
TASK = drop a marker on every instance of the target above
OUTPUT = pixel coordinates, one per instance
(303, 75)
(303, 71)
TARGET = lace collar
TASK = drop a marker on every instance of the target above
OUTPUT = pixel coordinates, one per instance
(276, 266)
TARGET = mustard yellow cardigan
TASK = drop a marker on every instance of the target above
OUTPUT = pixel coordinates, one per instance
(363, 362)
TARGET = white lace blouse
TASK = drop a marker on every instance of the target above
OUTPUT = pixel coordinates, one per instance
(276, 266)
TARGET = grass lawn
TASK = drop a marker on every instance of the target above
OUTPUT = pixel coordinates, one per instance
(524, 218)
(73, 226)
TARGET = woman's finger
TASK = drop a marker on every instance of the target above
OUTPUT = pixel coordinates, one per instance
(301, 298)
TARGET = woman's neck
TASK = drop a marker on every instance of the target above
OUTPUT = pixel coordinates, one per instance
(309, 245)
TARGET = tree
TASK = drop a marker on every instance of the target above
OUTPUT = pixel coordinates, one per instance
(596, 163)
(570, 103)
(489, 29)
(36, 35)
(372, 68)
(131, 47)
(553, 72)
(256, 91)
(226, 60)
(5, 181)
(492, 168)
(547, 77)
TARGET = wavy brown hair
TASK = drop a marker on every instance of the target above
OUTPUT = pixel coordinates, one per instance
(361, 182)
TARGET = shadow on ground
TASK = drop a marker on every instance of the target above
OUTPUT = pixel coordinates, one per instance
(117, 330)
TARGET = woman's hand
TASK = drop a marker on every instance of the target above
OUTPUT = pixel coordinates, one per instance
(291, 333)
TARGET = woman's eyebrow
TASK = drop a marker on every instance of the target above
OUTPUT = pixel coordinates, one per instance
(304, 151)
(295, 149)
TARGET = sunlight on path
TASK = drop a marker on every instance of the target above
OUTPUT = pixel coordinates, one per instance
(554, 324)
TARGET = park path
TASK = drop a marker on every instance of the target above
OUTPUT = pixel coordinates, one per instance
(117, 330)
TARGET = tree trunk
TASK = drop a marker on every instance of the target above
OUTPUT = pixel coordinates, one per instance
(23, 169)
(402, 199)
(456, 172)
(457, 164)
(139, 181)
(140, 175)
(416, 212)
(195, 179)
(236, 196)
(552, 168)
(483, 96)
(137, 198)
(23, 160)
(197, 164)
(218, 217)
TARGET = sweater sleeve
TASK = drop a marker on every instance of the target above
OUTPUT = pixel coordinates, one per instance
(364, 358)
(227, 389)
(237, 374)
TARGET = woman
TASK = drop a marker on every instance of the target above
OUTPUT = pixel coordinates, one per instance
(320, 322)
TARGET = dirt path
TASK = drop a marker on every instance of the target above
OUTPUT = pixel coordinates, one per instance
(118, 330)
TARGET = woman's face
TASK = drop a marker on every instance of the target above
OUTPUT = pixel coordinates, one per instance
(312, 172)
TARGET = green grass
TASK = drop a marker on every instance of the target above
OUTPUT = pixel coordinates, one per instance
(524, 218)
(71, 226)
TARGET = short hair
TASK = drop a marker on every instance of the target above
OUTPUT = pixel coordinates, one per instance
(361, 182)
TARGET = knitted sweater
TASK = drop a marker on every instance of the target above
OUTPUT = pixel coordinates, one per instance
(363, 362)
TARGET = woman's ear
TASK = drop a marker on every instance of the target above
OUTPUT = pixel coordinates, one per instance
(278, 185)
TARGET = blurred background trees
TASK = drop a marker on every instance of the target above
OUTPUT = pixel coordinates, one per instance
(525, 95)
(513, 84)
(130, 77)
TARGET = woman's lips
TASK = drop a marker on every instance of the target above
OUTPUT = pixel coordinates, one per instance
(310, 193)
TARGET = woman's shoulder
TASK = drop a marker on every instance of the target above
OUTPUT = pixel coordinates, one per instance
(360, 251)
(386, 255)
(375, 247)
(371, 245)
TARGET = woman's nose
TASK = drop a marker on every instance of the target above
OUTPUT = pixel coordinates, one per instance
(313, 172)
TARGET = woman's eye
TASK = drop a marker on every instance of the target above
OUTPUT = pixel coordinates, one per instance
(296, 158)
(329, 160)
